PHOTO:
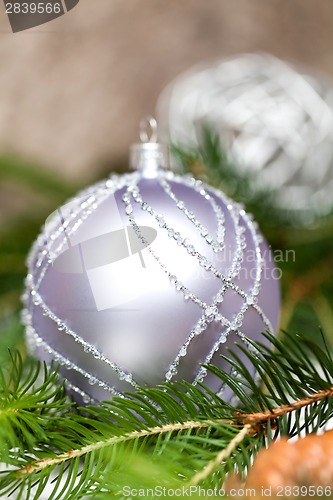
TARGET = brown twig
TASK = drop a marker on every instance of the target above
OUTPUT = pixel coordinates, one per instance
(269, 415)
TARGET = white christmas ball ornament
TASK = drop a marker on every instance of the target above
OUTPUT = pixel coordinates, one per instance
(276, 122)
(142, 278)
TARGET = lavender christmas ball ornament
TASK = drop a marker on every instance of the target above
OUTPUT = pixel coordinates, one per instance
(142, 278)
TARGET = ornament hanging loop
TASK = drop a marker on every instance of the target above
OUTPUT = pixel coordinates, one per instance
(149, 156)
(148, 124)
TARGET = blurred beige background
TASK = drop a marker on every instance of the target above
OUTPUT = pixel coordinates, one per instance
(73, 90)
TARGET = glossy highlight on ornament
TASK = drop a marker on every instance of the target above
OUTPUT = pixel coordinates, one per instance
(143, 278)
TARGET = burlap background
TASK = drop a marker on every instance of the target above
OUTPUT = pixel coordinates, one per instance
(72, 91)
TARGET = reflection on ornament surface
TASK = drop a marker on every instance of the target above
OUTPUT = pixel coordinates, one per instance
(275, 120)
(142, 278)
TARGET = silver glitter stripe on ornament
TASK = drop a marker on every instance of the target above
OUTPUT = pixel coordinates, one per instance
(207, 316)
(133, 190)
(234, 373)
(250, 348)
(55, 230)
(263, 316)
(185, 242)
(218, 243)
(36, 253)
(86, 398)
(82, 212)
(172, 278)
(95, 195)
(87, 347)
(35, 341)
(231, 326)
(172, 233)
(257, 239)
(239, 318)
(235, 211)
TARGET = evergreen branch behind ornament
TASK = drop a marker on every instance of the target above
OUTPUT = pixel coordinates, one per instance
(212, 164)
(177, 435)
(35, 177)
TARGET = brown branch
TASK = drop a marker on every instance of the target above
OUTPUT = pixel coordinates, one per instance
(262, 417)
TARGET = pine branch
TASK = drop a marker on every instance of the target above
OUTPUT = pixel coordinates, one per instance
(184, 433)
(39, 465)
(30, 405)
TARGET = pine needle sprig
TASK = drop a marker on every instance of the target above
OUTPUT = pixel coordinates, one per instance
(296, 375)
(31, 400)
(176, 435)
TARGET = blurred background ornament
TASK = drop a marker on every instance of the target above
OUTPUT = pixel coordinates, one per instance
(275, 121)
(141, 278)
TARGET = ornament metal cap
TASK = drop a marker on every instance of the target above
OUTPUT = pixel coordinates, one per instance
(149, 156)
